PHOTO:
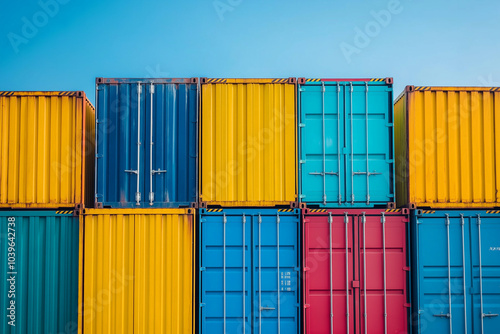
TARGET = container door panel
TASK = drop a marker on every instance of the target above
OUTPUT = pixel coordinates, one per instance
(328, 277)
(322, 142)
(223, 262)
(367, 134)
(441, 282)
(487, 318)
(383, 240)
(275, 268)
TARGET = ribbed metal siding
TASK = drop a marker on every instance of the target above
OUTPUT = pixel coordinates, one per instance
(137, 271)
(345, 132)
(43, 142)
(455, 271)
(250, 277)
(248, 143)
(453, 143)
(174, 111)
(47, 272)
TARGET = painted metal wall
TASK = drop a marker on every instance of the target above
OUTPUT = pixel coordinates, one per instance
(46, 141)
(447, 147)
(249, 271)
(45, 271)
(355, 271)
(248, 142)
(146, 142)
(137, 271)
(455, 271)
(346, 147)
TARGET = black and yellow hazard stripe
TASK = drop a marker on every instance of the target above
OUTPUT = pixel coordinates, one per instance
(285, 210)
(313, 80)
(393, 210)
(493, 211)
(495, 89)
(317, 210)
(214, 210)
(279, 81)
(6, 93)
(64, 212)
(216, 80)
(422, 88)
(377, 79)
(428, 211)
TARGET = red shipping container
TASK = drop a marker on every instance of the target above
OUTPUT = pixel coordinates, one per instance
(339, 267)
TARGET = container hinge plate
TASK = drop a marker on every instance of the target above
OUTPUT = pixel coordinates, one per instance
(202, 304)
(301, 125)
(355, 284)
(307, 305)
(203, 268)
(302, 196)
(407, 305)
(406, 268)
(302, 161)
(307, 268)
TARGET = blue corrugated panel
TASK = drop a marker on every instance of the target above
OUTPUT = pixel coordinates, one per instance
(346, 144)
(44, 271)
(249, 271)
(455, 271)
(146, 142)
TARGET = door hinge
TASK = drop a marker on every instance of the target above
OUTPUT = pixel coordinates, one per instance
(355, 284)
(406, 268)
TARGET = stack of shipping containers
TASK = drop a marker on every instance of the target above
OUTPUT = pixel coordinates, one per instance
(46, 177)
(448, 173)
(249, 224)
(137, 256)
(355, 241)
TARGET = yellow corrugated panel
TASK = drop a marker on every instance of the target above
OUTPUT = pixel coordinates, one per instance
(448, 147)
(137, 271)
(248, 144)
(44, 145)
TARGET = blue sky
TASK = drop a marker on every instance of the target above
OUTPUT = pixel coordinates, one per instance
(65, 44)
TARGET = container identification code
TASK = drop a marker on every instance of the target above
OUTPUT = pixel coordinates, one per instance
(286, 281)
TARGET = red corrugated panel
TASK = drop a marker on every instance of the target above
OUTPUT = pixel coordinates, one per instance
(328, 280)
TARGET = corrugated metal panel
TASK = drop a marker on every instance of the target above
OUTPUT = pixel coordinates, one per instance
(453, 143)
(44, 141)
(346, 142)
(137, 271)
(249, 271)
(455, 271)
(248, 142)
(335, 292)
(161, 115)
(45, 270)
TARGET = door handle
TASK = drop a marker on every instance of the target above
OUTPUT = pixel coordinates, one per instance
(489, 315)
(267, 308)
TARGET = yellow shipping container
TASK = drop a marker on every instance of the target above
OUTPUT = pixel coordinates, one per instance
(136, 271)
(248, 142)
(46, 150)
(447, 142)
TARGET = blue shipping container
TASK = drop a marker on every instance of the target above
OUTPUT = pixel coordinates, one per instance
(346, 147)
(249, 271)
(146, 142)
(455, 271)
(39, 282)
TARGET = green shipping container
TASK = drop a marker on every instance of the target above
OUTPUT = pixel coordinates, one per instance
(38, 272)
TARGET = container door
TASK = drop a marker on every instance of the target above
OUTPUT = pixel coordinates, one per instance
(225, 276)
(170, 148)
(276, 274)
(367, 134)
(322, 142)
(485, 241)
(383, 274)
(120, 155)
(329, 274)
(443, 265)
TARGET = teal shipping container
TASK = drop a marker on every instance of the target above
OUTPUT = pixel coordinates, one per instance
(38, 272)
(346, 146)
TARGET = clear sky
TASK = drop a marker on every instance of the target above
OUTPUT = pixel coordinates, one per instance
(65, 44)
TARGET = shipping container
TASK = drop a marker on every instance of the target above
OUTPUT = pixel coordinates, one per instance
(346, 149)
(355, 271)
(455, 271)
(38, 272)
(248, 142)
(448, 147)
(46, 150)
(147, 135)
(249, 271)
(136, 271)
